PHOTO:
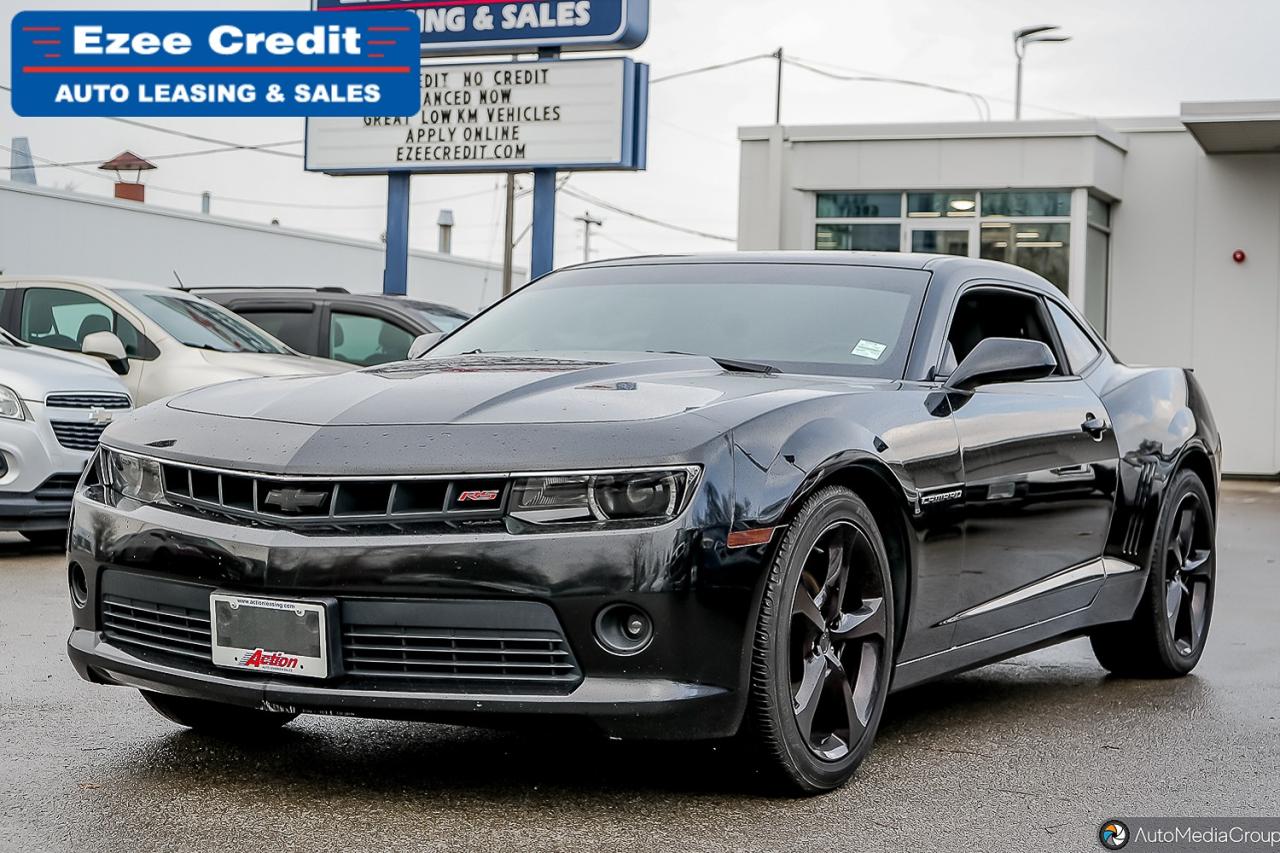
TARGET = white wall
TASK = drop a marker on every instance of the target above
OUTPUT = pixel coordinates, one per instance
(54, 232)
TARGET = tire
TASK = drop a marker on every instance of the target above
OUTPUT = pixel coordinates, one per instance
(822, 660)
(1166, 636)
(215, 718)
(46, 538)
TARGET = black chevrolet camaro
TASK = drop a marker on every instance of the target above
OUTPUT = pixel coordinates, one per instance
(685, 497)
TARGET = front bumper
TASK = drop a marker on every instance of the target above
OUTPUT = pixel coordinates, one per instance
(690, 682)
(38, 472)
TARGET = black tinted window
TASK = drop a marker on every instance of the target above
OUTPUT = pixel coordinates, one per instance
(855, 321)
(295, 328)
(1081, 351)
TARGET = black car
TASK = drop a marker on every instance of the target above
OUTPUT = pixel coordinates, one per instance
(676, 497)
(331, 322)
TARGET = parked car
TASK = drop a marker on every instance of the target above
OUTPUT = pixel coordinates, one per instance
(53, 408)
(674, 497)
(330, 322)
(160, 340)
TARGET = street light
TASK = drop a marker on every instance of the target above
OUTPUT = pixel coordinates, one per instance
(1022, 38)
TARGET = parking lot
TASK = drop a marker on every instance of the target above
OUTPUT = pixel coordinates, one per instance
(1033, 753)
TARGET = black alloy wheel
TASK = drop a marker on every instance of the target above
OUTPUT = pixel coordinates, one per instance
(1167, 634)
(824, 645)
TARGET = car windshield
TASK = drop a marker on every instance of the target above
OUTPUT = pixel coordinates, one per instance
(201, 324)
(440, 317)
(798, 318)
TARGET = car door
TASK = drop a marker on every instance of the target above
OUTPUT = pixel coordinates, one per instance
(295, 322)
(1039, 461)
(61, 318)
(366, 337)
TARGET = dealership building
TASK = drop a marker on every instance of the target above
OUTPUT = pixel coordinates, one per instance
(1165, 232)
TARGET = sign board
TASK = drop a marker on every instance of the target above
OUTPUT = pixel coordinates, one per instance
(462, 27)
(499, 117)
(230, 63)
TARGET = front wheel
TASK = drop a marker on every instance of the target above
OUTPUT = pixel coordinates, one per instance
(823, 650)
(216, 718)
(1167, 633)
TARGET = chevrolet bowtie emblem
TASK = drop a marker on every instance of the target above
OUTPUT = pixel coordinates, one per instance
(295, 500)
(100, 417)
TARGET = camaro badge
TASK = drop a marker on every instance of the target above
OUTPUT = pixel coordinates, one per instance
(295, 500)
(941, 497)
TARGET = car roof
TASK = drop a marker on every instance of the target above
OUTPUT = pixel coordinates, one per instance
(89, 281)
(285, 291)
(941, 266)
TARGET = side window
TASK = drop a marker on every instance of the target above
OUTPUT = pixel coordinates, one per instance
(295, 328)
(993, 313)
(366, 341)
(1081, 351)
(62, 319)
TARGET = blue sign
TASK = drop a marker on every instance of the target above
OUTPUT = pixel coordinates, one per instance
(215, 64)
(483, 27)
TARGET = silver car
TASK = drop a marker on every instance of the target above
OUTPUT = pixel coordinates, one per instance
(53, 408)
(160, 340)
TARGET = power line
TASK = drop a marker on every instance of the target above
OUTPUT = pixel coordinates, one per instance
(610, 206)
(979, 101)
(704, 69)
(174, 156)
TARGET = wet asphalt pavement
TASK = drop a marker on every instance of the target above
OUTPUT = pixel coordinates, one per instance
(1029, 754)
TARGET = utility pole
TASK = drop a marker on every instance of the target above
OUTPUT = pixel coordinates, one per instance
(509, 239)
(588, 222)
(777, 104)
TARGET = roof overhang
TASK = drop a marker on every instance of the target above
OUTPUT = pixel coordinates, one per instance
(1234, 127)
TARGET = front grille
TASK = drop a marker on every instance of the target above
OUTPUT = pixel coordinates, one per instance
(59, 487)
(77, 435)
(335, 502)
(392, 644)
(88, 401)
(394, 652)
(165, 628)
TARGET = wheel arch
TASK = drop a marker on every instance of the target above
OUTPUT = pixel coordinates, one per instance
(1195, 458)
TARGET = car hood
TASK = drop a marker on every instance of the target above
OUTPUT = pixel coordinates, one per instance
(484, 389)
(34, 372)
(245, 364)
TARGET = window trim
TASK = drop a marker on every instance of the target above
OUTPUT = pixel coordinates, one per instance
(1085, 328)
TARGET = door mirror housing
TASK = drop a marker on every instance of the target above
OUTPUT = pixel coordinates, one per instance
(423, 344)
(108, 347)
(1002, 360)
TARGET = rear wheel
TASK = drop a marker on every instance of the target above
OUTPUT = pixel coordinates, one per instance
(824, 644)
(216, 718)
(1167, 634)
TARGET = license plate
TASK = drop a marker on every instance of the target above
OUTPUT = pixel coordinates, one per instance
(269, 635)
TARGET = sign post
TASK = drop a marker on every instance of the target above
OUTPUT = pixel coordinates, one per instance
(541, 116)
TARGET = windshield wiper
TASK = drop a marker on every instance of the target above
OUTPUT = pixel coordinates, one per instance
(733, 365)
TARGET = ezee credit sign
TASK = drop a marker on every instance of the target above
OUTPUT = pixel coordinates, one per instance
(486, 27)
(214, 64)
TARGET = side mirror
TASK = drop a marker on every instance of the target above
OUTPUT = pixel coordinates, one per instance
(1002, 360)
(107, 346)
(423, 344)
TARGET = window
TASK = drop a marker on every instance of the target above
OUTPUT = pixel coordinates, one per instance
(860, 238)
(1099, 212)
(1097, 263)
(941, 241)
(859, 205)
(295, 328)
(1080, 349)
(1042, 247)
(366, 341)
(952, 205)
(848, 321)
(993, 313)
(62, 319)
(199, 323)
(444, 319)
(1023, 203)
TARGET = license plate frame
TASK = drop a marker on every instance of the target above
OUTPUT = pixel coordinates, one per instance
(297, 628)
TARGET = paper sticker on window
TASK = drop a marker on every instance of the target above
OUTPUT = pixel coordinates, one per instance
(870, 349)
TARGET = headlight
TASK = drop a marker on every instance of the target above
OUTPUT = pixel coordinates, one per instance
(654, 496)
(132, 476)
(11, 405)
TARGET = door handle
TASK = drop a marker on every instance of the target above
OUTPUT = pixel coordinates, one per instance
(1094, 426)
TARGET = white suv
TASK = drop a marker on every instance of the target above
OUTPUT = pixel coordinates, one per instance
(161, 340)
(53, 408)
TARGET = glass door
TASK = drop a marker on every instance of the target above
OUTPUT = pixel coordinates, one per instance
(936, 239)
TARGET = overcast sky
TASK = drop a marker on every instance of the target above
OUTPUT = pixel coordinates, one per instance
(1135, 57)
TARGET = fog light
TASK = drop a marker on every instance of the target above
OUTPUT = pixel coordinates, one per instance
(623, 629)
(79, 586)
(4, 466)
